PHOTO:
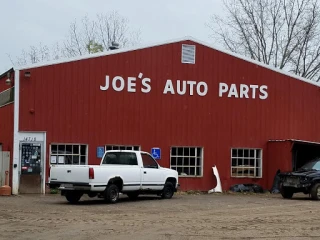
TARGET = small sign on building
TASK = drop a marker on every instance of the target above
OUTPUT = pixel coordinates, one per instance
(100, 152)
(156, 153)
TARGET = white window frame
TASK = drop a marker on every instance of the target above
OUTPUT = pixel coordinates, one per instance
(256, 167)
(195, 166)
(72, 154)
(118, 146)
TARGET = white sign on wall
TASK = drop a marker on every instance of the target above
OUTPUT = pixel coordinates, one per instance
(185, 87)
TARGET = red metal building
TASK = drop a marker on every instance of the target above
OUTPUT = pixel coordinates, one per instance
(201, 106)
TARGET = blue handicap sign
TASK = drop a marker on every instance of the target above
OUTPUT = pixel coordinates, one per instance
(100, 152)
(156, 153)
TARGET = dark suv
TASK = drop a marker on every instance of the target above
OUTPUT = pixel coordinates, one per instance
(305, 180)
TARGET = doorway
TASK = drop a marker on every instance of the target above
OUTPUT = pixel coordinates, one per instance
(31, 167)
(303, 152)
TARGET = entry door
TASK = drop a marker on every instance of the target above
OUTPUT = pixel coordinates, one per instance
(152, 176)
(4, 166)
(31, 162)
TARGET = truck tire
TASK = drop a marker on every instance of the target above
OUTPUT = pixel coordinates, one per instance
(286, 192)
(111, 194)
(315, 191)
(73, 197)
(133, 195)
(168, 191)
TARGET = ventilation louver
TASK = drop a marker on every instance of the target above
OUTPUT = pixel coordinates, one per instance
(188, 54)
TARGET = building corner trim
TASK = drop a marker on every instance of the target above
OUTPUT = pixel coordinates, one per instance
(15, 162)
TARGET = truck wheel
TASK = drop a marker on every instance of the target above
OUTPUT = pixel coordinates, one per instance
(168, 191)
(133, 195)
(286, 192)
(73, 197)
(111, 194)
(315, 192)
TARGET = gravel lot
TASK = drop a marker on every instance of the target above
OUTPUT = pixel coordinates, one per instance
(214, 216)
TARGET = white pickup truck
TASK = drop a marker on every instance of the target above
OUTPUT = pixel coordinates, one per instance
(125, 171)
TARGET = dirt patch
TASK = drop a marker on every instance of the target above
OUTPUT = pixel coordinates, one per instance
(186, 216)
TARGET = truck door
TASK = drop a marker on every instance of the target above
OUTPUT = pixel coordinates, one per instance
(152, 176)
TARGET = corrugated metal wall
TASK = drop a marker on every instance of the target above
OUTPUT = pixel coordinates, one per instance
(69, 105)
(6, 123)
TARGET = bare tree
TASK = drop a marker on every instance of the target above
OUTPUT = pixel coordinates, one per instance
(85, 37)
(33, 55)
(281, 33)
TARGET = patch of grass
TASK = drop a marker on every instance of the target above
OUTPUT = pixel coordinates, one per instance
(54, 191)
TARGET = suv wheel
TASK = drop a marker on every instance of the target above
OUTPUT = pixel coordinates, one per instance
(315, 192)
(286, 192)
(111, 194)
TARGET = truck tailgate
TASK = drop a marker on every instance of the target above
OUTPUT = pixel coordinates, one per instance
(69, 173)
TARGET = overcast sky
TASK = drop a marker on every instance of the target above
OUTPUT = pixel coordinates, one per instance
(24, 23)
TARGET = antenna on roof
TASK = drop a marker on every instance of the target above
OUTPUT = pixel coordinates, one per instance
(114, 46)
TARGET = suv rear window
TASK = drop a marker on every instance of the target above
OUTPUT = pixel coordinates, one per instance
(120, 158)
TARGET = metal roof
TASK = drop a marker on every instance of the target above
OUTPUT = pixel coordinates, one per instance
(187, 38)
(5, 73)
(293, 140)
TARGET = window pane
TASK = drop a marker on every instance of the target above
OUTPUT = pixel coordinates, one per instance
(252, 153)
(108, 148)
(122, 158)
(245, 161)
(75, 159)
(61, 148)
(240, 152)
(186, 152)
(252, 162)
(75, 149)
(68, 159)
(198, 161)
(258, 154)
(173, 161)
(258, 163)
(234, 152)
(192, 171)
(192, 161)
(198, 152)
(186, 161)
(192, 152)
(69, 149)
(83, 160)
(198, 171)
(83, 149)
(179, 161)
(173, 151)
(246, 153)
(54, 149)
(148, 161)
(240, 161)
(180, 151)
(234, 162)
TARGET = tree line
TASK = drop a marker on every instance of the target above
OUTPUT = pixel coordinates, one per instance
(281, 33)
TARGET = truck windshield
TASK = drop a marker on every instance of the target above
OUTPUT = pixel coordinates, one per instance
(120, 158)
(313, 165)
